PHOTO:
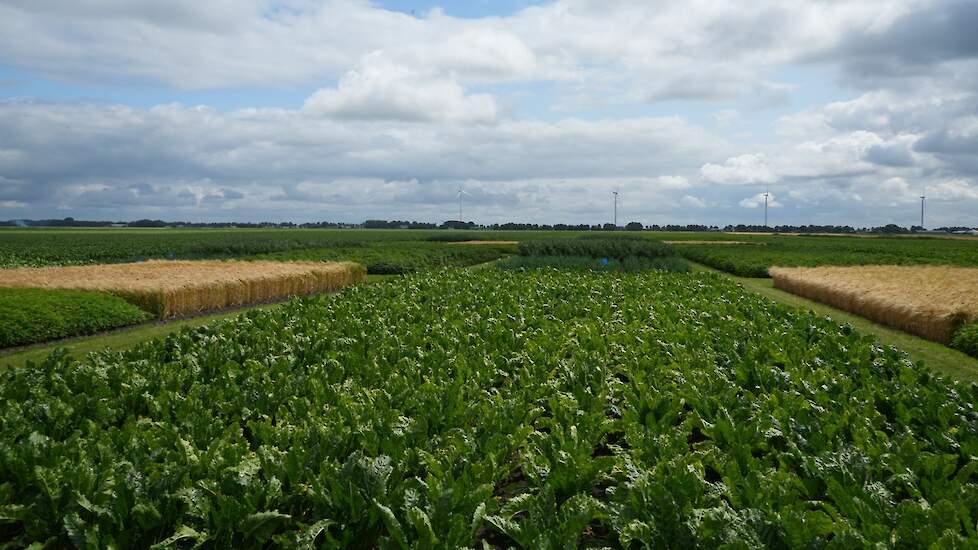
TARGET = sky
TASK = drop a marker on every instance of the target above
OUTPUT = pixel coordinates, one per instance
(347, 110)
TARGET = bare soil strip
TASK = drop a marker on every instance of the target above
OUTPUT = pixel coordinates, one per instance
(178, 288)
(929, 301)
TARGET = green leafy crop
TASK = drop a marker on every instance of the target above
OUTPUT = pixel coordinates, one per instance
(628, 264)
(29, 315)
(534, 409)
(966, 339)
(597, 247)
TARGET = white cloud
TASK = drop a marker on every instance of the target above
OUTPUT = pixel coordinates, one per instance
(672, 182)
(757, 201)
(477, 54)
(688, 50)
(383, 91)
(897, 190)
(542, 111)
(954, 190)
(742, 170)
(725, 118)
(248, 150)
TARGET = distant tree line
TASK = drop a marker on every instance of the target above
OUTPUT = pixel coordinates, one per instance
(397, 224)
(71, 222)
(889, 229)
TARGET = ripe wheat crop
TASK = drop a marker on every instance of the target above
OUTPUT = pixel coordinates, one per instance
(929, 301)
(175, 288)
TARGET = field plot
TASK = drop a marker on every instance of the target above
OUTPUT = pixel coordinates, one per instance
(484, 243)
(596, 253)
(530, 409)
(717, 243)
(409, 249)
(929, 301)
(401, 257)
(813, 251)
(31, 315)
(174, 288)
(382, 251)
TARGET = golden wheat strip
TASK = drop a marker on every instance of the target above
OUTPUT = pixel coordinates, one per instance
(929, 301)
(176, 288)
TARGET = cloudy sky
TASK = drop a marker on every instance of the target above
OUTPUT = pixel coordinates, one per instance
(345, 110)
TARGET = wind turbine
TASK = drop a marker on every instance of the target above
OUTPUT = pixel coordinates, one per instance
(766, 193)
(616, 193)
(460, 193)
(923, 195)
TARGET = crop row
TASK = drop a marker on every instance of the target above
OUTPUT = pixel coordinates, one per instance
(540, 409)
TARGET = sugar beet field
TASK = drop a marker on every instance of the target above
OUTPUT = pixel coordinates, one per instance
(587, 392)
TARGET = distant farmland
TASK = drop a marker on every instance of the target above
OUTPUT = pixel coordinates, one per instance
(810, 251)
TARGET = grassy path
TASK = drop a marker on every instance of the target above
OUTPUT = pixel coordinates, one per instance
(941, 358)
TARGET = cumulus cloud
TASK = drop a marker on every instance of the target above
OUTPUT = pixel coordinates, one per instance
(540, 112)
(953, 190)
(890, 154)
(726, 117)
(682, 50)
(757, 201)
(921, 39)
(741, 170)
(193, 157)
(384, 91)
(672, 182)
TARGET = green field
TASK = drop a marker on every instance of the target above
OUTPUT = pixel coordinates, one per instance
(46, 315)
(765, 251)
(596, 253)
(408, 251)
(29, 315)
(386, 251)
(538, 409)
(402, 251)
(400, 257)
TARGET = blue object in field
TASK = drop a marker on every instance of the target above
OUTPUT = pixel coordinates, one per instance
(604, 261)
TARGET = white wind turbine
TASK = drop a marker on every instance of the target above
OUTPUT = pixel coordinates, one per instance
(766, 193)
(923, 196)
(615, 194)
(460, 193)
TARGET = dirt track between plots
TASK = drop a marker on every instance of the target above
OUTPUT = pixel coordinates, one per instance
(176, 288)
(929, 301)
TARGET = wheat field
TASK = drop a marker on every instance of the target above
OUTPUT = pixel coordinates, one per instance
(178, 288)
(929, 301)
